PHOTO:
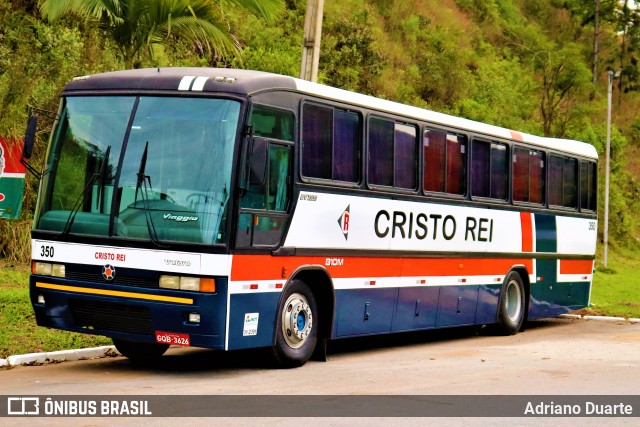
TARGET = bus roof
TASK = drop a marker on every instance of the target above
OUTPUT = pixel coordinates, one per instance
(249, 82)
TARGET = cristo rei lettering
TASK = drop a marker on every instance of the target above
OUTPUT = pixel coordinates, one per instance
(402, 225)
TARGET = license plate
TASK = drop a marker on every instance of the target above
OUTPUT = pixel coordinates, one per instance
(173, 338)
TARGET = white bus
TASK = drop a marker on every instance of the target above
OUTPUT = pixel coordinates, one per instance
(233, 209)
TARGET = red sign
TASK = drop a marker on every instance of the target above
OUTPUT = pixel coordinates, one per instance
(10, 153)
(11, 178)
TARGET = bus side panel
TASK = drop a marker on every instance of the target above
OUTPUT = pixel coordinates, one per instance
(252, 319)
(488, 299)
(546, 291)
(364, 311)
(417, 308)
(457, 305)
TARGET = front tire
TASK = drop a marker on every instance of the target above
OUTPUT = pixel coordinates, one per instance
(511, 311)
(296, 332)
(140, 351)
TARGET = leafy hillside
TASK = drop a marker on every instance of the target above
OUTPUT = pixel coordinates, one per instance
(525, 65)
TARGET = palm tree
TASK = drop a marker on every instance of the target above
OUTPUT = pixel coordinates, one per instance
(136, 25)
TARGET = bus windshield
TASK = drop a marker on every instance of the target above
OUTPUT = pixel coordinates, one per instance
(144, 167)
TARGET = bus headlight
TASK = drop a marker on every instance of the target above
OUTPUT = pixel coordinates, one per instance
(190, 283)
(41, 268)
(185, 283)
(169, 282)
(48, 269)
(58, 270)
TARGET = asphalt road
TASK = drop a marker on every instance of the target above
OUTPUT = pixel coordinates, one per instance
(552, 357)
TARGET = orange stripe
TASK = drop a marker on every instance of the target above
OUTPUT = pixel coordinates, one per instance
(527, 232)
(460, 267)
(265, 267)
(572, 266)
(516, 135)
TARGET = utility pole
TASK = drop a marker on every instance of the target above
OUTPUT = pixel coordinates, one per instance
(311, 42)
(596, 36)
(611, 76)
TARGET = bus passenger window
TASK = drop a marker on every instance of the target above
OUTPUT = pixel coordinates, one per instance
(317, 141)
(380, 149)
(499, 171)
(393, 159)
(489, 173)
(528, 176)
(330, 143)
(563, 181)
(445, 159)
(588, 186)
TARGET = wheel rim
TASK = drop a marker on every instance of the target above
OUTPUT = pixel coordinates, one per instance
(514, 301)
(297, 320)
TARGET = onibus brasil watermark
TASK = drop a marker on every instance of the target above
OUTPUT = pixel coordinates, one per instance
(36, 406)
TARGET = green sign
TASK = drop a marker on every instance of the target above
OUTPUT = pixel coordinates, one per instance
(11, 178)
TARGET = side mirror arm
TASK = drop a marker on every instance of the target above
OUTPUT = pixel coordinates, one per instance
(29, 141)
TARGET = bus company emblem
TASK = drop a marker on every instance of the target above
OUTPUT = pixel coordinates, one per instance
(343, 221)
(109, 272)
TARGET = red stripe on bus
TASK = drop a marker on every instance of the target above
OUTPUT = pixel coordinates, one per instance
(265, 267)
(527, 232)
(575, 266)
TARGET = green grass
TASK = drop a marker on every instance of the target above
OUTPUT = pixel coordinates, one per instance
(615, 292)
(19, 333)
(616, 289)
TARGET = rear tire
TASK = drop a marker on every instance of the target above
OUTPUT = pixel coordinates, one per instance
(296, 332)
(140, 351)
(511, 310)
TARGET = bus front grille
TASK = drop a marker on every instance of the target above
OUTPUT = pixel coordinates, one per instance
(111, 317)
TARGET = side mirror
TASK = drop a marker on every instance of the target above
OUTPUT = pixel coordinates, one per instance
(258, 162)
(30, 137)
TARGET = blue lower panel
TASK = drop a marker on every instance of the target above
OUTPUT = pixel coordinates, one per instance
(416, 309)
(131, 318)
(457, 306)
(487, 309)
(241, 327)
(364, 311)
(379, 311)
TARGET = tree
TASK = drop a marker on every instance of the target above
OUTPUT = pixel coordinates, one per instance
(594, 12)
(136, 25)
(565, 79)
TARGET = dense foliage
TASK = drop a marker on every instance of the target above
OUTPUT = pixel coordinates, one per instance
(526, 65)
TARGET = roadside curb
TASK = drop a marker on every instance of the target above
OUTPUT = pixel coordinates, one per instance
(599, 318)
(60, 356)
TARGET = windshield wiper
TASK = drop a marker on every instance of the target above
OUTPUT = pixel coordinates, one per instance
(141, 185)
(103, 178)
(83, 195)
